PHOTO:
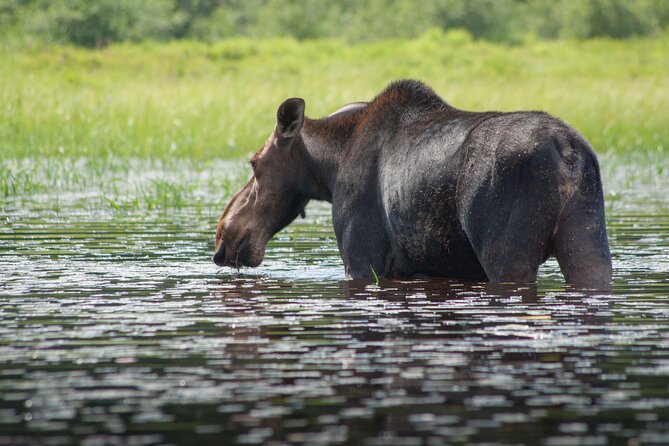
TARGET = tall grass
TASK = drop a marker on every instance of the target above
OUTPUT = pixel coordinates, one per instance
(204, 101)
(124, 184)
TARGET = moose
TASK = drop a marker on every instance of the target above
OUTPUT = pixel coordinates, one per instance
(420, 188)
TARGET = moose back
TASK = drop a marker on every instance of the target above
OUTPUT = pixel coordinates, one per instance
(420, 188)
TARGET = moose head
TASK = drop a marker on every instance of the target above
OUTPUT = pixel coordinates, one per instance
(273, 197)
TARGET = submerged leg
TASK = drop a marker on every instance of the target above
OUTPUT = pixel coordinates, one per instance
(580, 243)
(511, 210)
(514, 252)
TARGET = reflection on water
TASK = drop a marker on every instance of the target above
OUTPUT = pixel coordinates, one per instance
(115, 328)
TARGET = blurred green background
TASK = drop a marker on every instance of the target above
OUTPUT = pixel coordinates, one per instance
(101, 22)
(201, 79)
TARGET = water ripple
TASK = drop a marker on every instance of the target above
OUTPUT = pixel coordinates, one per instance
(116, 328)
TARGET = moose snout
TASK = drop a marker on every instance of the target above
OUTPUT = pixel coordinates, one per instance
(219, 255)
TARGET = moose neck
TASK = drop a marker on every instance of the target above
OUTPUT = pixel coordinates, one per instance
(325, 141)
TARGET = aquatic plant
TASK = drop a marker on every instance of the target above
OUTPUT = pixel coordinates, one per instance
(376, 277)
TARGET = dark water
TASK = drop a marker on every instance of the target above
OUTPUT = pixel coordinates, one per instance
(115, 328)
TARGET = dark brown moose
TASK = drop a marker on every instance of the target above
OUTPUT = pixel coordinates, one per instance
(420, 188)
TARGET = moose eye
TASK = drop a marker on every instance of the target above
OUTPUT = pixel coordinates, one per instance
(253, 165)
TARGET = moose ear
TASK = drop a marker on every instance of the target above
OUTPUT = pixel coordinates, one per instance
(289, 117)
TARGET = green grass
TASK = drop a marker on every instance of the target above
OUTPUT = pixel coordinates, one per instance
(130, 184)
(205, 101)
(376, 277)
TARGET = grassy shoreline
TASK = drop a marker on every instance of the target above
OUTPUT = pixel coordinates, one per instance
(205, 101)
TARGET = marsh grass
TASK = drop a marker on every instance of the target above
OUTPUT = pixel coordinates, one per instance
(210, 101)
(157, 194)
(376, 277)
(138, 125)
(15, 181)
(124, 184)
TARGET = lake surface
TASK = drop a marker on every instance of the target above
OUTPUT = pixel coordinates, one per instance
(116, 328)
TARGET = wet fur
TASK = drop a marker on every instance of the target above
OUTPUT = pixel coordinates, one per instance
(421, 188)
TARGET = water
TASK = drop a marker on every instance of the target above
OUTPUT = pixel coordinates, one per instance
(116, 328)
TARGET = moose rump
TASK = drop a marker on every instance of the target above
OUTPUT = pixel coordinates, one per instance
(420, 188)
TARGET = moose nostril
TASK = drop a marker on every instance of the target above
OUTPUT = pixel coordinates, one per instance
(219, 256)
